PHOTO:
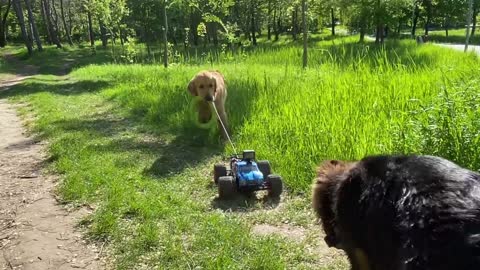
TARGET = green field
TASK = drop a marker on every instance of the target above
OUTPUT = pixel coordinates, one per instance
(120, 137)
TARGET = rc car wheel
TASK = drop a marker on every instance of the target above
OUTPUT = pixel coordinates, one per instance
(226, 187)
(276, 185)
(264, 167)
(219, 170)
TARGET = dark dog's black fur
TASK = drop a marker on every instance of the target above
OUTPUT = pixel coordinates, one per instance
(401, 212)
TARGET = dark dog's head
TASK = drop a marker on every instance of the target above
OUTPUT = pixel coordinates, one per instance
(330, 174)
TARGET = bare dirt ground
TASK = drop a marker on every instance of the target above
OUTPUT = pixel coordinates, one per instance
(36, 232)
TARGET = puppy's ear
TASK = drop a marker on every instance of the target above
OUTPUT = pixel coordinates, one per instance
(219, 81)
(215, 84)
(191, 87)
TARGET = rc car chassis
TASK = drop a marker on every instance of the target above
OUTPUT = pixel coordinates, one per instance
(246, 175)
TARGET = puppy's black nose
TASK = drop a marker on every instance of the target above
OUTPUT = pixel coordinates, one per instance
(209, 98)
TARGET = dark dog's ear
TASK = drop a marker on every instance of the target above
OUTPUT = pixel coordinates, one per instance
(351, 182)
(191, 87)
(348, 194)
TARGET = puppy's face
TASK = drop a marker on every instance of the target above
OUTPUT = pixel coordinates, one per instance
(203, 85)
(329, 176)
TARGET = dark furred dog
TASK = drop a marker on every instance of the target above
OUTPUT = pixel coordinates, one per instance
(401, 212)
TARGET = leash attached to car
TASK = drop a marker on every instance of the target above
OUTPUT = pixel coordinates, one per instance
(224, 129)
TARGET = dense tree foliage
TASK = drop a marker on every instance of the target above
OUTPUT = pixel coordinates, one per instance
(193, 23)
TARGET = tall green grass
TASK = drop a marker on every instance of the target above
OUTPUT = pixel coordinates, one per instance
(352, 101)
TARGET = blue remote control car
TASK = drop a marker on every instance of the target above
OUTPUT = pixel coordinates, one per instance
(246, 175)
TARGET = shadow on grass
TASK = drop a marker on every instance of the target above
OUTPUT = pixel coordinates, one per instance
(173, 156)
(65, 87)
(53, 61)
(245, 202)
(179, 154)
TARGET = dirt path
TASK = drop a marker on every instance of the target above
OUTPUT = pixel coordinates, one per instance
(35, 231)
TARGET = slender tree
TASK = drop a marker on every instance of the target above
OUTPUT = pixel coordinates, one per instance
(53, 31)
(17, 6)
(429, 11)
(305, 33)
(90, 29)
(252, 22)
(294, 22)
(45, 21)
(54, 17)
(415, 14)
(33, 25)
(333, 21)
(474, 19)
(3, 23)
(269, 20)
(165, 34)
(66, 28)
(103, 33)
(469, 21)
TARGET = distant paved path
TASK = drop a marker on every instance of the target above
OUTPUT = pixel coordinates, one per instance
(460, 47)
(36, 233)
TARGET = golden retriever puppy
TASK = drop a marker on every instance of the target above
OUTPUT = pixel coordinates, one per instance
(211, 87)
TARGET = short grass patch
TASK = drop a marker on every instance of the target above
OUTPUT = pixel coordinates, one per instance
(121, 138)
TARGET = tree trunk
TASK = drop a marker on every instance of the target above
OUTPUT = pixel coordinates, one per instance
(469, 21)
(67, 32)
(305, 33)
(275, 28)
(416, 12)
(445, 25)
(363, 28)
(103, 33)
(294, 23)
(120, 33)
(269, 20)
(44, 17)
(165, 39)
(474, 21)
(29, 32)
(21, 21)
(55, 18)
(214, 33)
(31, 19)
(90, 29)
(279, 26)
(193, 26)
(53, 31)
(3, 25)
(429, 15)
(252, 23)
(333, 21)
(70, 18)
